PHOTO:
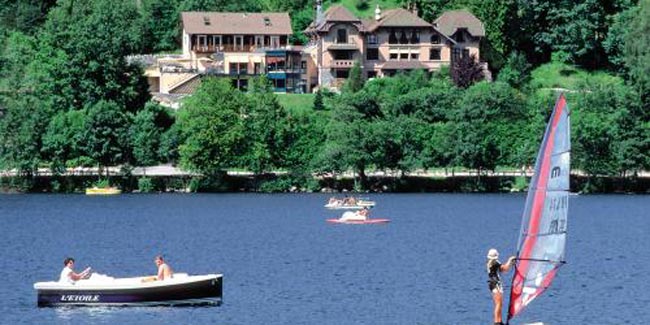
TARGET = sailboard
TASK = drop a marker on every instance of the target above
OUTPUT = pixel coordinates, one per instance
(542, 238)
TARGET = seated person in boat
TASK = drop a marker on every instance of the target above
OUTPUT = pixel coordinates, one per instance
(365, 213)
(164, 270)
(334, 201)
(350, 200)
(69, 275)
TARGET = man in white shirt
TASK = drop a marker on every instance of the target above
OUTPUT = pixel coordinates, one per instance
(68, 274)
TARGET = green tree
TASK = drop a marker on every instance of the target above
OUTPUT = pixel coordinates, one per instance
(63, 138)
(212, 131)
(516, 72)
(20, 129)
(106, 137)
(614, 44)
(145, 135)
(267, 128)
(637, 51)
(355, 80)
(485, 121)
(161, 19)
(318, 101)
(79, 63)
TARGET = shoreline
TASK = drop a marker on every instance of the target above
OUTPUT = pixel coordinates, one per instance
(286, 183)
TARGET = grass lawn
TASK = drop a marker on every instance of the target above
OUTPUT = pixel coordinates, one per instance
(296, 102)
(369, 11)
(560, 75)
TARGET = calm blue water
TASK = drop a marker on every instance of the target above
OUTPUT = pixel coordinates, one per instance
(283, 264)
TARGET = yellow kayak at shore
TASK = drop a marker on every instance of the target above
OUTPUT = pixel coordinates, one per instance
(103, 191)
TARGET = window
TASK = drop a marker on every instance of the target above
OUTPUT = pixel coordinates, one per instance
(372, 54)
(435, 39)
(303, 65)
(434, 54)
(466, 53)
(456, 54)
(275, 42)
(403, 56)
(342, 73)
(403, 39)
(232, 68)
(393, 56)
(342, 55)
(415, 37)
(415, 56)
(372, 39)
(372, 74)
(392, 38)
(460, 36)
(342, 36)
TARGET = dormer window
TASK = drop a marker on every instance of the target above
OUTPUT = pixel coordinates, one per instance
(342, 36)
(460, 36)
(206, 20)
(435, 39)
(267, 21)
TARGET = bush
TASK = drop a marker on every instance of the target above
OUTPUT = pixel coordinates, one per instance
(145, 185)
(361, 4)
(282, 184)
(102, 183)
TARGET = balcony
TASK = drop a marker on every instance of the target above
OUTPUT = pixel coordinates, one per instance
(342, 63)
(229, 48)
(349, 46)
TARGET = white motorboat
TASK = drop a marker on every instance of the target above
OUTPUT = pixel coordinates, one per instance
(100, 290)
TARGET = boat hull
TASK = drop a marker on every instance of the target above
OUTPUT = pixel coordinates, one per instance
(358, 206)
(103, 191)
(359, 222)
(206, 291)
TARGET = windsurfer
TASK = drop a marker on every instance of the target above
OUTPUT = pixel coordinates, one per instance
(494, 268)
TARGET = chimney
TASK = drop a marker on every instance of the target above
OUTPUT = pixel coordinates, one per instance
(414, 8)
(377, 13)
(319, 12)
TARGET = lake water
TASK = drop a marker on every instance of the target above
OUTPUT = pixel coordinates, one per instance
(283, 264)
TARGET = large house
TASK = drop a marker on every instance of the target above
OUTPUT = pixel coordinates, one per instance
(236, 46)
(395, 40)
(239, 46)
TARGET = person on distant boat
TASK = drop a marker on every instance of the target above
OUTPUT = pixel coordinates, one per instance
(69, 275)
(365, 213)
(352, 201)
(494, 268)
(334, 201)
(164, 271)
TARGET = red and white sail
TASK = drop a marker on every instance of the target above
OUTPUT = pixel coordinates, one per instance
(542, 239)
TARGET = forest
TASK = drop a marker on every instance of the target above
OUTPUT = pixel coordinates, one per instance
(69, 98)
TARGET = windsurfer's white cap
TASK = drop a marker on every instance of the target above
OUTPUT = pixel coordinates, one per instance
(493, 254)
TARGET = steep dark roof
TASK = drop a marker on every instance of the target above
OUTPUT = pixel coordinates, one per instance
(335, 14)
(339, 13)
(450, 21)
(260, 23)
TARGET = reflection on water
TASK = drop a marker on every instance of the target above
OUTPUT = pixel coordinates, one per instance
(283, 264)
